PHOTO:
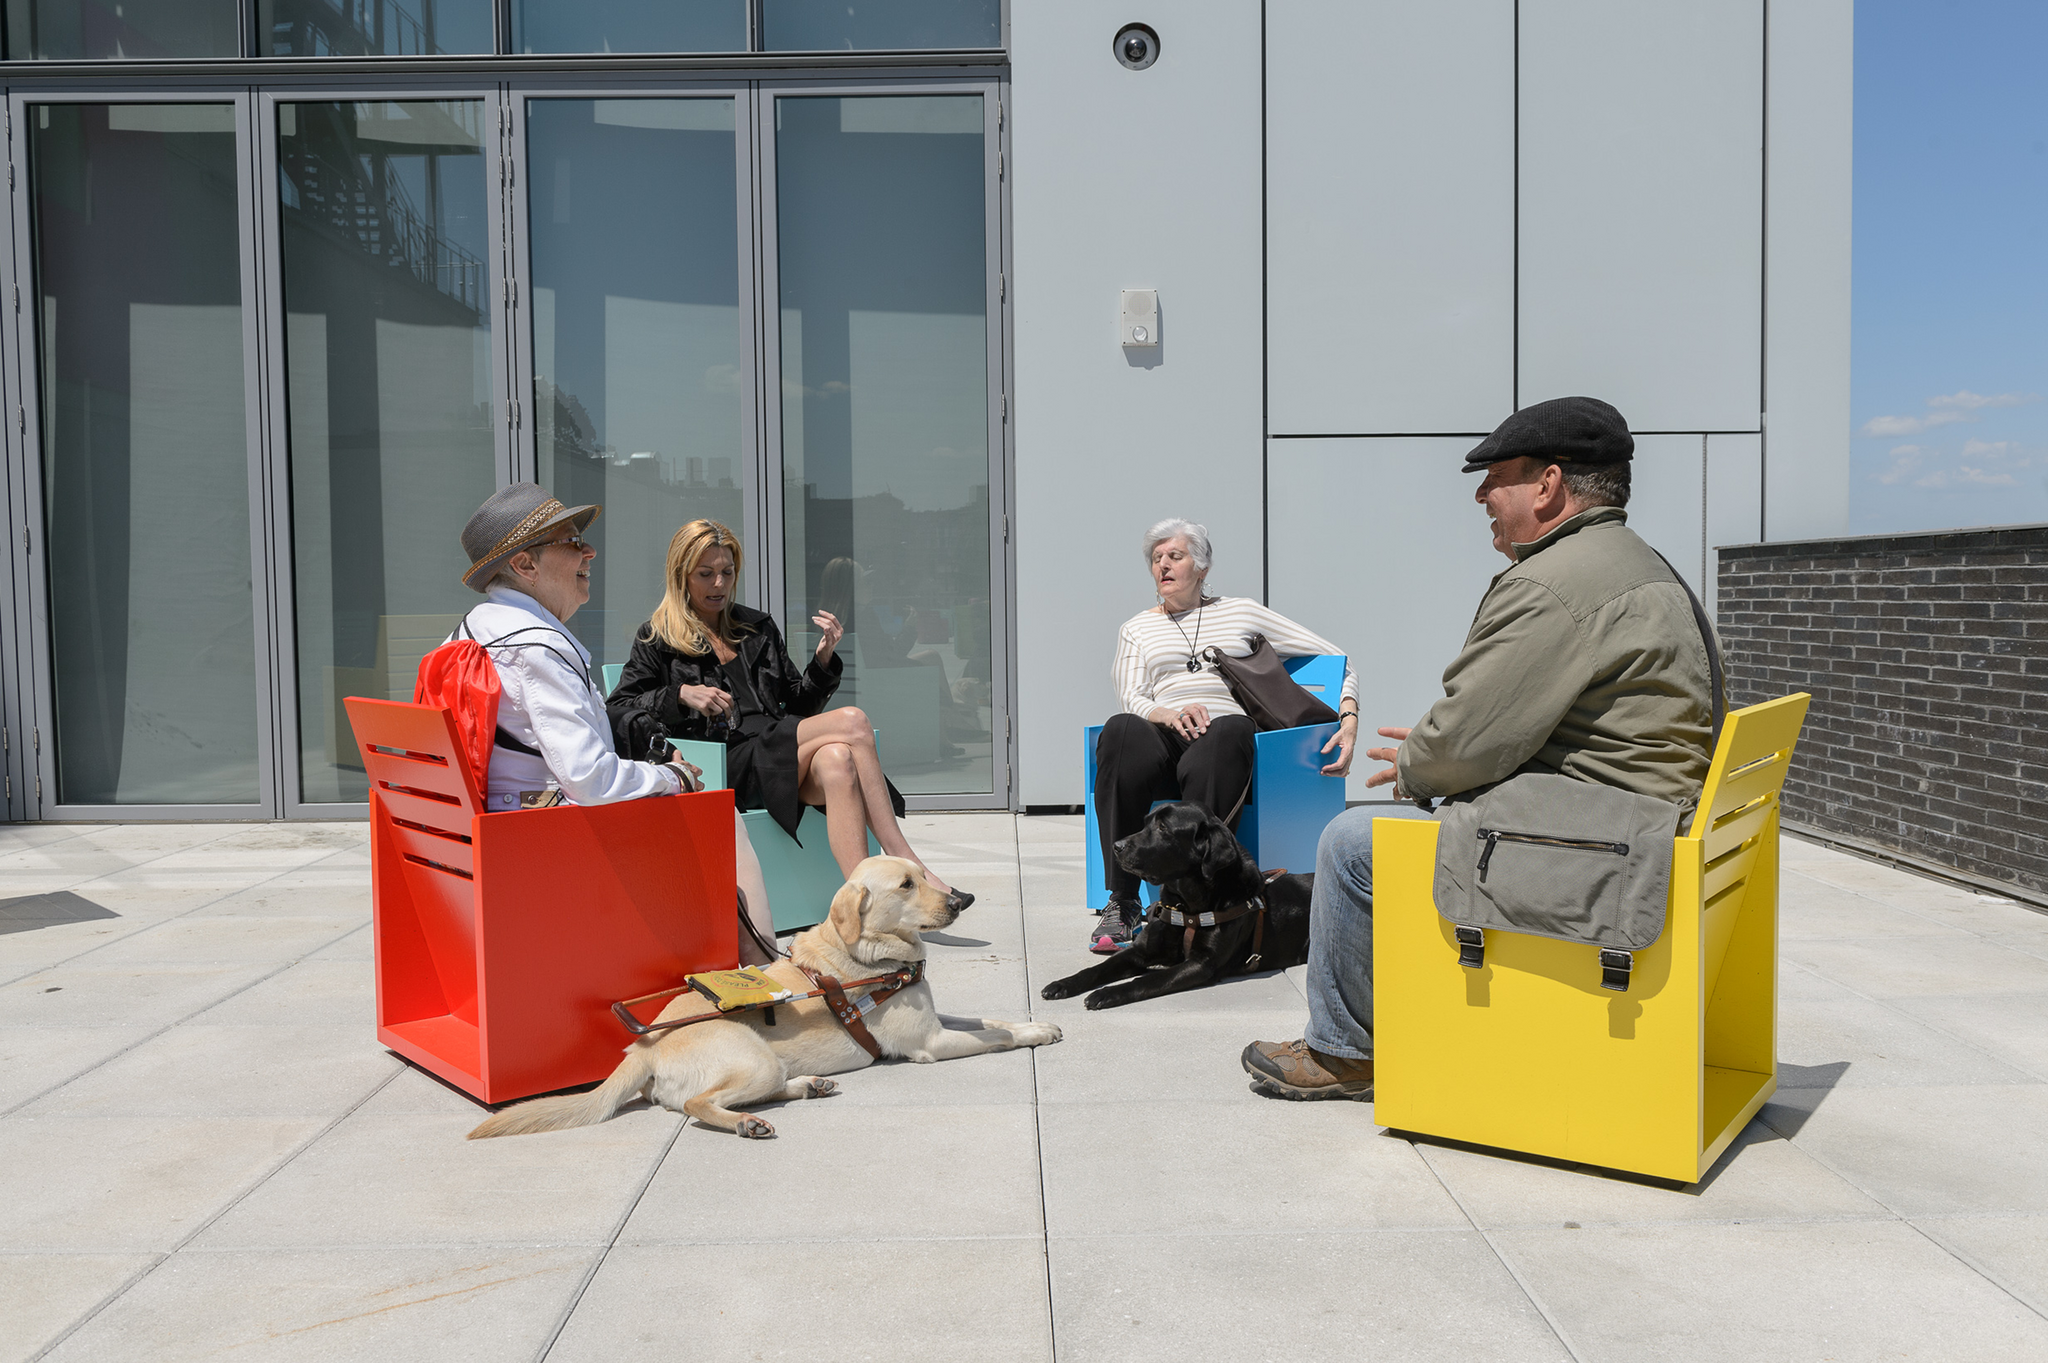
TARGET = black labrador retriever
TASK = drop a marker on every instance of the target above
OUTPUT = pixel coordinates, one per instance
(1228, 912)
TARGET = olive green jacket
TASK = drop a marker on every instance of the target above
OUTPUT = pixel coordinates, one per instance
(1585, 659)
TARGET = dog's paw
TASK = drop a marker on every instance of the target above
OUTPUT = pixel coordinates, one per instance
(754, 1129)
(1036, 1033)
(1058, 989)
(1104, 998)
(819, 1088)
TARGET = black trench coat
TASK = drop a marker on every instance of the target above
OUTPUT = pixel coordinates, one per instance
(760, 757)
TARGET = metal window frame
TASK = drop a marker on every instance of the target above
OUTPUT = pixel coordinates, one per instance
(636, 85)
(283, 569)
(36, 670)
(996, 265)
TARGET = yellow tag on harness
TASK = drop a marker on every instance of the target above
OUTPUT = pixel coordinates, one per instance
(735, 989)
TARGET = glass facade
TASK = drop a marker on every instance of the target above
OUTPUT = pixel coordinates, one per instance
(883, 282)
(145, 452)
(373, 28)
(641, 355)
(278, 332)
(879, 25)
(81, 30)
(629, 25)
(389, 381)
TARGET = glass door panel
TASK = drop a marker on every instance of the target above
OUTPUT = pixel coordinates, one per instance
(145, 464)
(883, 281)
(386, 236)
(373, 28)
(642, 358)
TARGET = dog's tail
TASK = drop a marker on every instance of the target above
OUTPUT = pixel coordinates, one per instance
(574, 1109)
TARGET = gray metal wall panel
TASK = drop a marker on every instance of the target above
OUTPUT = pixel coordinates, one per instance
(1806, 246)
(1735, 501)
(1127, 180)
(1665, 498)
(1390, 180)
(1641, 245)
(1378, 546)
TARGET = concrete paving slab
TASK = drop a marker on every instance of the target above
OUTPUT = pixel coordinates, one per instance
(35, 1059)
(847, 1172)
(25, 953)
(337, 993)
(1931, 1150)
(196, 939)
(212, 1071)
(1762, 1177)
(2011, 1027)
(2012, 1251)
(1814, 908)
(920, 1301)
(1418, 1296)
(274, 898)
(312, 1307)
(376, 1180)
(42, 1295)
(113, 1183)
(1840, 1290)
(972, 1081)
(1861, 1043)
(357, 946)
(1880, 968)
(82, 994)
(1130, 1055)
(1179, 1168)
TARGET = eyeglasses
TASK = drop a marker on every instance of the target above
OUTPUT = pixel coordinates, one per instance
(576, 542)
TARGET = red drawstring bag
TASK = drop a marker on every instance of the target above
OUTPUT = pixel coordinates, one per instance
(460, 678)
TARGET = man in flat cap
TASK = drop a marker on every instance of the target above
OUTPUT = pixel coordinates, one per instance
(1586, 659)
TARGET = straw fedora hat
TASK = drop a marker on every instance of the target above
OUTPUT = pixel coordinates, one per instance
(514, 518)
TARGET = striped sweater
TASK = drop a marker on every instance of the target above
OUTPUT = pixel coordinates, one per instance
(1152, 651)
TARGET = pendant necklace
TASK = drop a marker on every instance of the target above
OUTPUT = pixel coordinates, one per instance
(1194, 645)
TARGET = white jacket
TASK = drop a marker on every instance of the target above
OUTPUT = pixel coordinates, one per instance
(551, 701)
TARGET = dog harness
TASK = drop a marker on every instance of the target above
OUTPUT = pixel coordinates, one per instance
(838, 996)
(1216, 918)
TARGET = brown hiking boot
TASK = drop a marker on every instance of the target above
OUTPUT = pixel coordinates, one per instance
(1292, 1069)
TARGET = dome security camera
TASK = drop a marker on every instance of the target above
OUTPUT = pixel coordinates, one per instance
(1136, 46)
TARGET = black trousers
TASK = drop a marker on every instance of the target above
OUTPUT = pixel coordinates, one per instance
(1137, 762)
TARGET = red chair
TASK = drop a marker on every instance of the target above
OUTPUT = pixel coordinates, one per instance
(502, 940)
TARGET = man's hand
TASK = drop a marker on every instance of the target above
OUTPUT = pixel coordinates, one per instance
(1387, 755)
(693, 775)
(1344, 740)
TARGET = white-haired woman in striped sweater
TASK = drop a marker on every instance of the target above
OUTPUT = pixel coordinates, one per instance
(1181, 734)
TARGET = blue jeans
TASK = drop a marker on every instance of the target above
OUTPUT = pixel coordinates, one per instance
(1340, 939)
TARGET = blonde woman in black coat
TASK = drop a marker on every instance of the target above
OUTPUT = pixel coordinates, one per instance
(706, 667)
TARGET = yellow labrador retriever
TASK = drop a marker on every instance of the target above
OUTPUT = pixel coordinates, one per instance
(709, 1068)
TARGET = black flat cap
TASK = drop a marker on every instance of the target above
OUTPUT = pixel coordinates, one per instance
(1564, 430)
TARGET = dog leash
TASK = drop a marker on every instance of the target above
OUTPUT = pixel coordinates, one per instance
(847, 1010)
(1191, 921)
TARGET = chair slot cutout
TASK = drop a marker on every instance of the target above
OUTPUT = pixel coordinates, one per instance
(437, 866)
(420, 794)
(449, 834)
(432, 759)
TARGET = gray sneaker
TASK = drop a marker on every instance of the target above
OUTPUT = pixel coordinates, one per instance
(1117, 927)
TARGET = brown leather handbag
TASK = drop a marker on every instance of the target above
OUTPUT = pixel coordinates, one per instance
(1261, 685)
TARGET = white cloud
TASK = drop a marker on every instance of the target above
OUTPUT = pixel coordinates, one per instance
(1905, 462)
(1964, 476)
(1910, 425)
(1977, 449)
(1970, 402)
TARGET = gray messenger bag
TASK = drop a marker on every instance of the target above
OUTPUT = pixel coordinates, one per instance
(1552, 856)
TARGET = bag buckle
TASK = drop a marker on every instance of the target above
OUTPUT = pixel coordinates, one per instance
(1615, 966)
(1471, 946)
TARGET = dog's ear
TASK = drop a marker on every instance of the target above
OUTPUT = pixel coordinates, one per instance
(849, 906)
(1218, 851)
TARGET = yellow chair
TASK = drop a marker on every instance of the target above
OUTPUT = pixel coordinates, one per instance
(1529, 1053)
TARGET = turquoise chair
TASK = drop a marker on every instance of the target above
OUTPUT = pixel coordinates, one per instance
(800, 872)
(1291, 801)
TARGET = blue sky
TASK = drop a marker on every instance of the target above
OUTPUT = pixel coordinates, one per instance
(1950, 325)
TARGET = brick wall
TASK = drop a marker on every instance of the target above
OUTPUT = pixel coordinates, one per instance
(1927, 657)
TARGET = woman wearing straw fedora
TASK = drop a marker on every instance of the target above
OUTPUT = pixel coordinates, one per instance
(706, 667)
(529, 559)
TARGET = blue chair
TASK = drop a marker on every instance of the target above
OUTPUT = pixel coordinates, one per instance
(801, 873)
(1291, 801)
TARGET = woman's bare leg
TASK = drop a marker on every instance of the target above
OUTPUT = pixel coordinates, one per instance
(747, 871)
(830, 779)
(848, 728)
